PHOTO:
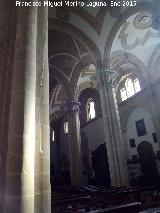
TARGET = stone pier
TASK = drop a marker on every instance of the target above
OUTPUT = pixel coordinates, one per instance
(27, 165)
(115, 150)
(75, 143)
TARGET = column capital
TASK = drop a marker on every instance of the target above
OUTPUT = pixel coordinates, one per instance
(71, 106)
(74, 106)
(106, 77)
(110, 77)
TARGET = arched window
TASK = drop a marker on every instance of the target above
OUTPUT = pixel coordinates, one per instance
(52, 135)
(130, 88)
(90, 109)
(65, 127)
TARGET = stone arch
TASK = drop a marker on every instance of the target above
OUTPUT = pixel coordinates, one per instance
(132, 60)
(61, 79)
(93, 56)
(86, 60)
(95, 22)
(125, 116)
(81, 88)
(153, 64)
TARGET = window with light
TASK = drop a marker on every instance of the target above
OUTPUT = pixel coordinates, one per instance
(65, 127)
(131, 87)
(90, 109)
(52, 135)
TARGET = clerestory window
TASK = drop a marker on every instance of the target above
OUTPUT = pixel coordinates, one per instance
(130, 88)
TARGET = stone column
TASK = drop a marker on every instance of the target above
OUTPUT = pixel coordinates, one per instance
(21, 182)
(42, 126)
(75, 143)
(115, 150)
(7, 33)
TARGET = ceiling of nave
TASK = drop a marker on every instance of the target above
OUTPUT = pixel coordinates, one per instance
(137, 37)
(65, 53)
(79, 36)
(95, 22)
